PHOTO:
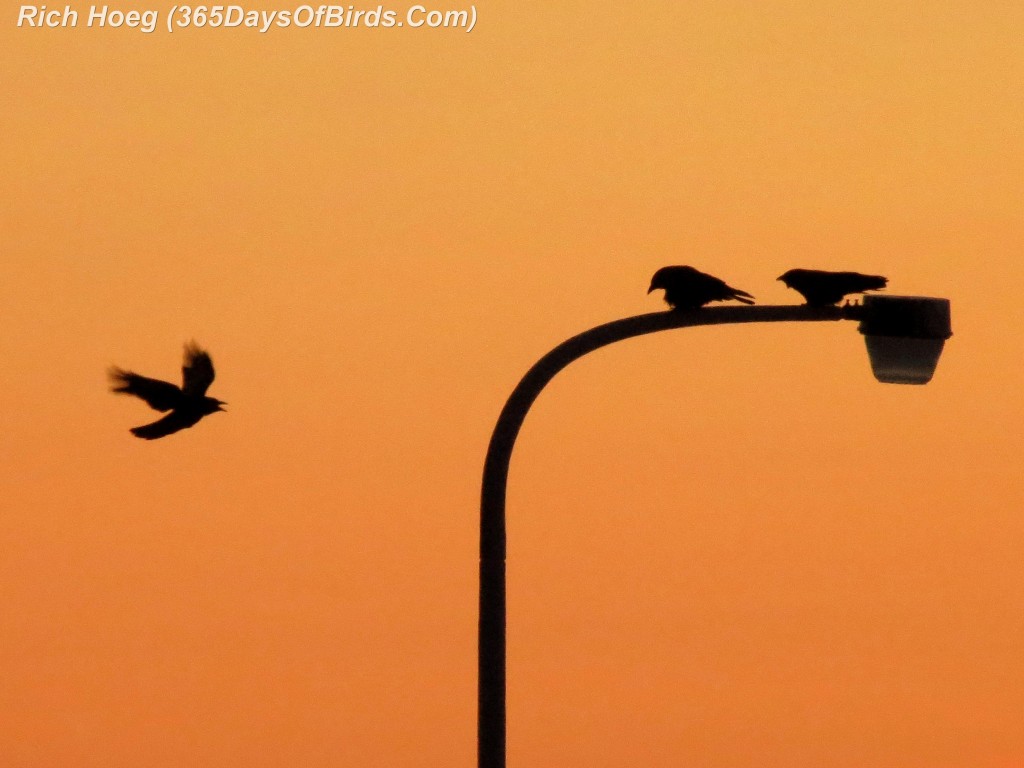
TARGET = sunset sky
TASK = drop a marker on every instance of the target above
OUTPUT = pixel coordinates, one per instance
(728, 547)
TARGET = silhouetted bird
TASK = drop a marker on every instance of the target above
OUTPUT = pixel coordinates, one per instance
(688, 288)
(187, 404)
(821, 288)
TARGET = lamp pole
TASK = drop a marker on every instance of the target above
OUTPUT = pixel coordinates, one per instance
(904, 318)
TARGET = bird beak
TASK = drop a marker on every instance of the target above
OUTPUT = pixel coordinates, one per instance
(219, 404)
(651, 288)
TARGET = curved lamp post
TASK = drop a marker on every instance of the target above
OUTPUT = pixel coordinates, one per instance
(904, 335)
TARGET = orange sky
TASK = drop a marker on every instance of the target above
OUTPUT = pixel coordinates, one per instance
(728, 546)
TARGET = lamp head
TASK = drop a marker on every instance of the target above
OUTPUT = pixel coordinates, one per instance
(905, 336)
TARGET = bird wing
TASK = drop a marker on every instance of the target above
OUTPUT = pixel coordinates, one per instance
(719, 290)
(169, 424)
(161, 395)
(856, 282)
(746, 298)
(197, 371)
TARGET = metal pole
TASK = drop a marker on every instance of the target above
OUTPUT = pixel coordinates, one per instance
(491, 659)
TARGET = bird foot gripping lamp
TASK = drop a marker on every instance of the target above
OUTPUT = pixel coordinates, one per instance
(904, 336)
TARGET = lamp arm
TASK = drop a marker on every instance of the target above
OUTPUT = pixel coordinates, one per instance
(491, 659)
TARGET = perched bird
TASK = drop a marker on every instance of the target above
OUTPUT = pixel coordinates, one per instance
(187, 404)
(689, 288)
(821, 288)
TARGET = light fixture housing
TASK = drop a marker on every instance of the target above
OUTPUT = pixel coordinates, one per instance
(905, 336)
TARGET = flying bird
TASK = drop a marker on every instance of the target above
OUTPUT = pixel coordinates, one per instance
(187, 404)
(689, 288)
(821, 288)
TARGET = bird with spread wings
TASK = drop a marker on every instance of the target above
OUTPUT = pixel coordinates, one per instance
(187, 404)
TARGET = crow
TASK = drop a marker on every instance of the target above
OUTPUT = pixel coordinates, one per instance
(821, 288)
(187, 404)
(688, 288)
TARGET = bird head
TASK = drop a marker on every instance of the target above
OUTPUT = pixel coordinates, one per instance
(212, 405)
(787, 277)
(664, 276)
(656, 281)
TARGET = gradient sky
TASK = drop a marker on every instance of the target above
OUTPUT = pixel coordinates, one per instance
(729, 547)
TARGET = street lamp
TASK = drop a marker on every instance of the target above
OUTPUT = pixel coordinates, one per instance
(904, 336)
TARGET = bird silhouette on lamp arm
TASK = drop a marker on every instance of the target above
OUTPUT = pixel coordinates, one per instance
(821, 288)
(688, 288)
